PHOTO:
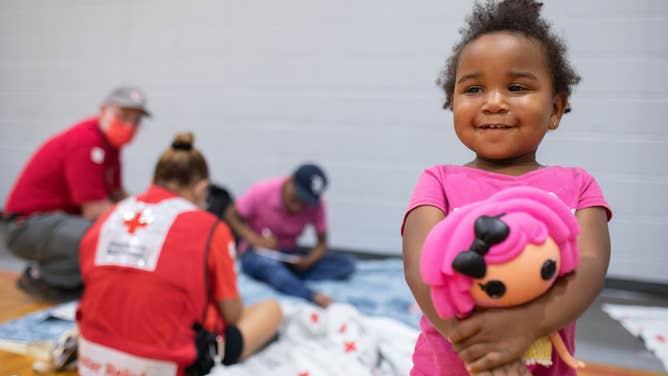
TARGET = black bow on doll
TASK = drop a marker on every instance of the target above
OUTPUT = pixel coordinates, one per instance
(488, 232)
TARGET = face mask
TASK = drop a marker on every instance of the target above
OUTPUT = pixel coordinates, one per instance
(119, 133)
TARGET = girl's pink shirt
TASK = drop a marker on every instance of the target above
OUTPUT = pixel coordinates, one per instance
(448, 187)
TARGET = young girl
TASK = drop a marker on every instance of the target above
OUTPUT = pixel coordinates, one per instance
(507, 82)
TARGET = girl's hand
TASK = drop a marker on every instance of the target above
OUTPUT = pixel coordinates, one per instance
(494, 337)
(516, 368)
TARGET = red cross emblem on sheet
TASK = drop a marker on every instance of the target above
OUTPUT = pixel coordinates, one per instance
(305, 373)
(134, 223)
(315, 317)
(342, 328)
(350, 346)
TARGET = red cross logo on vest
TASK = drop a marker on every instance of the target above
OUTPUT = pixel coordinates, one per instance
(135, 222)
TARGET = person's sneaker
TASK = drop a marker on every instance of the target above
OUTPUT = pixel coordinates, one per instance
(34, 286)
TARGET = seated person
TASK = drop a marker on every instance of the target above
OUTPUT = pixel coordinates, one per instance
(69, 182)
(155, 265)
(217, 200)
(272, 214)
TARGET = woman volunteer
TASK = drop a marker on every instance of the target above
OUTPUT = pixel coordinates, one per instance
(154, 267)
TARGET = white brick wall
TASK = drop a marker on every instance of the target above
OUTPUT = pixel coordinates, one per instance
(350, 84)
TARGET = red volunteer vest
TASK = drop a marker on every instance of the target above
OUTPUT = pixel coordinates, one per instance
(144, 269)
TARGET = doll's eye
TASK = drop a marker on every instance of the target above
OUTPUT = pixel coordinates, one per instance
(548, 270)
(494, 289)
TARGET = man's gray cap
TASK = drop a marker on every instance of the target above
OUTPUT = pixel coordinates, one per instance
(128, 97)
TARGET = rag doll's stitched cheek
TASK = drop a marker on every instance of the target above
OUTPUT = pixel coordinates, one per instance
(519, 280)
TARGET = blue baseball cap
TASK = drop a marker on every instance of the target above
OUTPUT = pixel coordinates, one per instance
(310, 182)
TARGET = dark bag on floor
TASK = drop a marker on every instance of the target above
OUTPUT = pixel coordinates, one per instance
(206, 344)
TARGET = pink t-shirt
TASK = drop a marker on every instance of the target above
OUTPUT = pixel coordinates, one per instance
(449, 187)
(262, 208)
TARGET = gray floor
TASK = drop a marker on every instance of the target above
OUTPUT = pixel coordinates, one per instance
(600, 339)
(603, 340)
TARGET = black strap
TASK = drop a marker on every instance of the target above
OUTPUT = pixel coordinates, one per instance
(207, 289)
(205, 341)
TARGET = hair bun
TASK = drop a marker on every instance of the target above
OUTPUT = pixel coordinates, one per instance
(180, 145)
(183, 141)
(523, 11)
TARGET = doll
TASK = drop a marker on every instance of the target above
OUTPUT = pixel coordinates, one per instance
(501, 252)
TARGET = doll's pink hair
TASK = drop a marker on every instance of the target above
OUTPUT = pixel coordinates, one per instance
(531, 214)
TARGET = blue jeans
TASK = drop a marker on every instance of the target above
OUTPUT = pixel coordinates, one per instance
(283, 278)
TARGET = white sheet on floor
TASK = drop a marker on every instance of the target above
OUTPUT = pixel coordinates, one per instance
(336, 341)
(648, 323)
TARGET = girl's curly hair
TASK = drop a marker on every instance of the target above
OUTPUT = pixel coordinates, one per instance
(517, 16)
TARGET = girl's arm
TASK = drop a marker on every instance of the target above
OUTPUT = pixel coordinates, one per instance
(496, 336)
(418, 224)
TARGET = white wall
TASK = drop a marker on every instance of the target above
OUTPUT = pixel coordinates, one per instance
(266, 85)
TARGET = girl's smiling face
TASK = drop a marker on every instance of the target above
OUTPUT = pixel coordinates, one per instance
(503, 100)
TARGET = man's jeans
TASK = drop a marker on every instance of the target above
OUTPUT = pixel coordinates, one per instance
(288, 281)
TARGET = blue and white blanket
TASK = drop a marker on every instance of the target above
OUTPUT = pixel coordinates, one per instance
(377, 288)
(370, 330)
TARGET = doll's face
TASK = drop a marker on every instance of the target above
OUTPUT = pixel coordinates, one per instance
(519, 280)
